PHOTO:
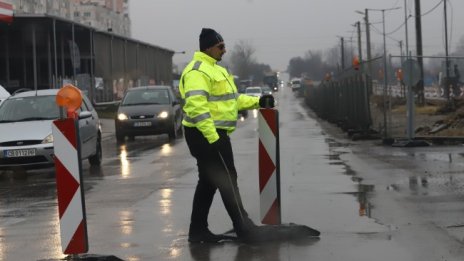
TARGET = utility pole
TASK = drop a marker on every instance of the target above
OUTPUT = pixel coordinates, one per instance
(368, 43)
(406, 27)
(401, 51)
(446, 85)
(420, 84)
(385, 78)
(343, 54)
(403, 91)
(358, 25)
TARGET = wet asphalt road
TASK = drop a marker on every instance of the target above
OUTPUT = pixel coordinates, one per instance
(370, 202)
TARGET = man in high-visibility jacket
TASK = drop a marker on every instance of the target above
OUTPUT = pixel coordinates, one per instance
(211, 105)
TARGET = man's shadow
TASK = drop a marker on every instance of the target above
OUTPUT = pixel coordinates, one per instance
(269, 250)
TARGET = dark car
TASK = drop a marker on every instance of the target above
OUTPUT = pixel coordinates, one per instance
(148, 110)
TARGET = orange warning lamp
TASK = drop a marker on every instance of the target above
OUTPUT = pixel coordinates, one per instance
(328, 77)
(70, 97)
(399, 74)
(356, 63)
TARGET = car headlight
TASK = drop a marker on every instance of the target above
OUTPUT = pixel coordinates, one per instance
(122, 117)
(48, 139)
(163, 115)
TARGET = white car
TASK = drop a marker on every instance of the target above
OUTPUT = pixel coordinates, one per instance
(254, 91)
(295, 84)
(26, 139)
(3, 94)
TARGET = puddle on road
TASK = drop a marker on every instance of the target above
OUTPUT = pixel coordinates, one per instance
(442, 184)
(433, 173)
(362, 191)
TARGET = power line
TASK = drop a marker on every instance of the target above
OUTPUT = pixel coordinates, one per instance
(410, 16)
(431, 10)
(399, 27)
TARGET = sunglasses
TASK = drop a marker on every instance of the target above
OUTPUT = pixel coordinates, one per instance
(221, 46)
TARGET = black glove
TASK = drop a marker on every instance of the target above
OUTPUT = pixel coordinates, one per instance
(266, 101)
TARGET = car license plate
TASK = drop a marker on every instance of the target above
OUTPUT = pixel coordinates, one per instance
(142, 124)
(19, 153)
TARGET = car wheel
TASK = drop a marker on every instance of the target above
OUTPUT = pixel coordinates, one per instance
(120, 136)
(96, 159)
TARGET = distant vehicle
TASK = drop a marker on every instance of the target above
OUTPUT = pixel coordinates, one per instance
(266, 90)
(3, 94)
(271, 80)
(242, 85)
(26, 139)
(254, 91)
(148, 110)
(295, 84)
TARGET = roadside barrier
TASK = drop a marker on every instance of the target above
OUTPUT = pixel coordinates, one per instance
(71, 206)
(269, 167)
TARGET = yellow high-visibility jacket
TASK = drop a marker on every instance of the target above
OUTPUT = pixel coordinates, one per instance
(211, 100)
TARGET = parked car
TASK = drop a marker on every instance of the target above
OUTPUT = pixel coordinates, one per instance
(254, 91)
(26, 139)
(295, 84)
(3, 94)
(148, 110)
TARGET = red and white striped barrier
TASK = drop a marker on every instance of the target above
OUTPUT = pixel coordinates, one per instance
(71, 206)
(6, 12)
(269, 166)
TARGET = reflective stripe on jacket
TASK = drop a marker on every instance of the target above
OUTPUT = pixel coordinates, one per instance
(210, 97)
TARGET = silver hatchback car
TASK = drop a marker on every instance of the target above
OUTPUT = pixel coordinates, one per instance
(26, 139)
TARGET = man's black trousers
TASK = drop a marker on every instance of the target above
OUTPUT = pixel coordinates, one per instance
(213, 175)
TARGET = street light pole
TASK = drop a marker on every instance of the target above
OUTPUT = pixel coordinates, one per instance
(358, 25)
(446, 85)
(385, 77)
(385, 74)
(406, 27)
(368, 43)
(342, 53)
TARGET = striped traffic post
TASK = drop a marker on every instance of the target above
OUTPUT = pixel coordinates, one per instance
(269, 167)
(69, 183)
(6, 12)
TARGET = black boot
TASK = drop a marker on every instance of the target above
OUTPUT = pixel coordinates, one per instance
(203, 236)
(247, 230)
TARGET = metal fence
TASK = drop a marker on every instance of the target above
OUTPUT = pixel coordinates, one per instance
(344, 102)
(365, 104)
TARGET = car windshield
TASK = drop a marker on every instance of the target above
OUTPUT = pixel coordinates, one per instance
(146, 96)
(29, 109)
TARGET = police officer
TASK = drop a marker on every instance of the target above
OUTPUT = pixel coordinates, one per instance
(211, 105)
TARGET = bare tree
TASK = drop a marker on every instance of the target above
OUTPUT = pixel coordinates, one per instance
(242, 59)
(333, 56)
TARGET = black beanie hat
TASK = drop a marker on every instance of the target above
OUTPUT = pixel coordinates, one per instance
(209, 38)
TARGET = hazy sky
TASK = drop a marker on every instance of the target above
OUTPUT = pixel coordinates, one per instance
(282, 29)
